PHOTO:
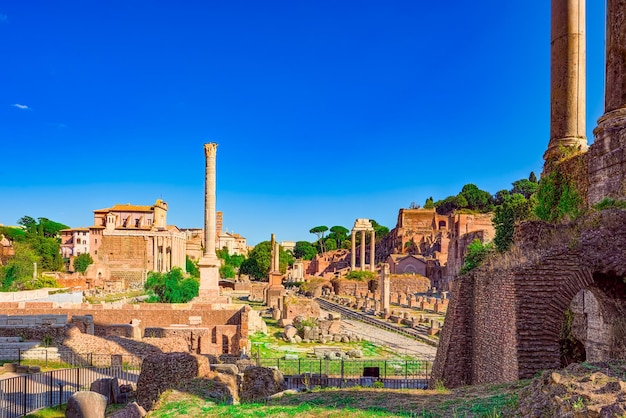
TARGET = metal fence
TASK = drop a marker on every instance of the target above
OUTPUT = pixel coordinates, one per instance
(311, 373)
(50, 357)
(23, 394)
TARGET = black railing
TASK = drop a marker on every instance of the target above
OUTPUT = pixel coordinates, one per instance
(310, 373)
(48, 357)
(23, 394)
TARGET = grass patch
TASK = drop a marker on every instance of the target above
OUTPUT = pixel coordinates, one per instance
(474, 401)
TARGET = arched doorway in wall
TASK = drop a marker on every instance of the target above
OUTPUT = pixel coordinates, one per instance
(594, 325)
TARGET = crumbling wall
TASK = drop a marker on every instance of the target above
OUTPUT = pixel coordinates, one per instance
(505, 318)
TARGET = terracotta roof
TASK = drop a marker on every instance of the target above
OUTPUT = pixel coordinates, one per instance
(82, 228)
(132, 208)
(127, 207)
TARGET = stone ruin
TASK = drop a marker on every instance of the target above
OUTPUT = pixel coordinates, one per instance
(507, 319)
(204, 329)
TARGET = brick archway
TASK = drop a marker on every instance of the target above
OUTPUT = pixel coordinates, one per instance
(504, 321)
(543, 294)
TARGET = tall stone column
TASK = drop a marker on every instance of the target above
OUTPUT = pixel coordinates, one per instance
(385, 289)
(567, 80)
(362, 251)
(373, 251)
(607, 162)
(353, 254)
(209, 263)
(615, 90)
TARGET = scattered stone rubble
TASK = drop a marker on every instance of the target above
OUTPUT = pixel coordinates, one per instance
(324, 331)
(579, 390)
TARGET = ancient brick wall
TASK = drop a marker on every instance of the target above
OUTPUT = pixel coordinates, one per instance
(150, 315)
(505, 318)
(409, 284)
(345, 287)
(123, 251)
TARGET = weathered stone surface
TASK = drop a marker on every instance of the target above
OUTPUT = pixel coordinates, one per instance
(534, 288)
(225, 368)
(160, 371)
(86, 404)
(261, 382)
(132, 410)
(575, 392)
(108, 387)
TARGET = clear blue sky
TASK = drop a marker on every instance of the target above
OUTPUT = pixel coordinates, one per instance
(324, 111)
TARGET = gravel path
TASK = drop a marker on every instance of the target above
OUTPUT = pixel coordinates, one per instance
(396, 342)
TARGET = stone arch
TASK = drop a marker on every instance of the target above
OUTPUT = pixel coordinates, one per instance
(542, 301)
(410, 268)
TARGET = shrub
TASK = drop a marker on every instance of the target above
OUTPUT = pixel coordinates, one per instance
(361, 275)
(475, 254)
(557, 199)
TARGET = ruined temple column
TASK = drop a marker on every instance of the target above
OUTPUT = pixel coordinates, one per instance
(615, 90)
(362, 250)
(353, 254)
(373, 251)
(209, 263)
(607, 163)
(385, 289)
(567, 80)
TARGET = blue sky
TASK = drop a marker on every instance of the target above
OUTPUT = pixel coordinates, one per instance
(324, 111)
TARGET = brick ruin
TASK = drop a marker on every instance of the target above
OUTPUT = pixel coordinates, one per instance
(559, 295)
(437, 241)
(207, 328)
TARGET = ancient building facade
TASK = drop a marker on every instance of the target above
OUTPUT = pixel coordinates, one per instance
(127, 241)
(440, 241)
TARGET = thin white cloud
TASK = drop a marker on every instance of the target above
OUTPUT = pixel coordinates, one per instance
(20, 106)
(4, 18)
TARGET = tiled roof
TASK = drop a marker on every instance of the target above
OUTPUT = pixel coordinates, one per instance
(127, 207)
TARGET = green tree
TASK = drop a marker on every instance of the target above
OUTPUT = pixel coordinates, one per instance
(227, 272)
(330, 244)
(515, 208)
(532, 177)
(304, 250)
(477, 199)
(13, 234)
(319, 231)
(524, 187)
(258, 262)
(171, 287)
(259, 259)
(475, 253)
(380, 231)
(339, 234)
(501, 196)
(192, 267)
(82, 262)
(20, 267)
(429, 204)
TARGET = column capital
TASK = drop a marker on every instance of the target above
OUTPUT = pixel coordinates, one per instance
(210, 149)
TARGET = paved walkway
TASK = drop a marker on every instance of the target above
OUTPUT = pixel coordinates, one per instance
(396, 342)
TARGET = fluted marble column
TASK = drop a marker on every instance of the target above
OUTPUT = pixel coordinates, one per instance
(567, 80)
(615, 90)
(353, 254)
(362, 250)
(607, 162)
(373, 251)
